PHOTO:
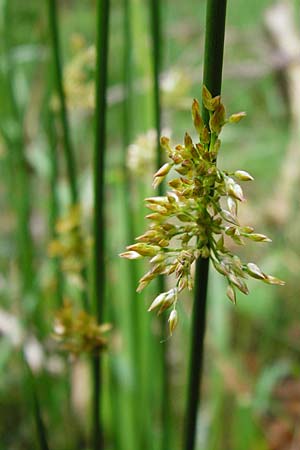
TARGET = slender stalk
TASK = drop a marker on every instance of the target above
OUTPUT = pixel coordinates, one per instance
(21, 194)
(20, 188)
(103, 8)
(68, 149)
(156, 51)
(135, 350)
(212, 79)
(39, 421)
(54, 200)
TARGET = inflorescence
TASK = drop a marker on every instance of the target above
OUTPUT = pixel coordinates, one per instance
(191, 221)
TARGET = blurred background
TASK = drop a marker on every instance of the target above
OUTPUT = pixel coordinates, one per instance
(251, 383)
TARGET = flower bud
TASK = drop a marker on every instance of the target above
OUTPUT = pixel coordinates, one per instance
(130, 255)
(217, 120)
(235, 190)
(230, 292)
(157, 181)
(155, 216)
(204, 136)
(255, 272)
(232, 205)
(197, 119)
(144, 249)
(243, 175)
(257, 237)
(164, 170)
(210, 102)
(165, 143)
(235, 118)
(273, 280)
(229, 218)
(188, 143)
(173, 320)
(158, 301)
(160, 257)
(220, 267)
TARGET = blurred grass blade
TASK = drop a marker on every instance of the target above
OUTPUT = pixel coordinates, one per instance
(103, 9)
(38, 419)
(20, 186)
(58, 72)
(54, 200)
(68, 148)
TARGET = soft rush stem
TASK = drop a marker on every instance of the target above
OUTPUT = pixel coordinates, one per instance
(68, 149)
(63, 114)
(135, 351)
(212, 79)
(99, 278)
(156, 50)
(54, 199)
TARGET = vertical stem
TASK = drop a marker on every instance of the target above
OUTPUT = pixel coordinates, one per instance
(127, 135)
(21, 186)
(156, 49)
(214, 47)
(21, 194)
(39, 422)
(135, 351)
(103, 7)
(68, 149)
(54, 200)
(212, 79)
(196, 356)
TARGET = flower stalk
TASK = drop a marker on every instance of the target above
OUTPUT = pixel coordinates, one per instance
(58, 74)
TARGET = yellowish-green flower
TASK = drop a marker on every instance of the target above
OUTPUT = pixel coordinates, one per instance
(191, 221)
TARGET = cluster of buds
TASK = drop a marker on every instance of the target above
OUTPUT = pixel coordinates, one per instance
(79, 74)
(191, 221)
(78, 332)
(69, 246)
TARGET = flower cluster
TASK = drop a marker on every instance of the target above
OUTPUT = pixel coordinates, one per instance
(69, 246)
(197, 216)
(79, 332)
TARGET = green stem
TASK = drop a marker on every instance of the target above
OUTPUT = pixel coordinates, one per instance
(103, 7)
(135, 351)
(54, 200)
(68, 149)
(21, 194)
(212, 79)
(39, 421)
(156, 51)
(21, 189)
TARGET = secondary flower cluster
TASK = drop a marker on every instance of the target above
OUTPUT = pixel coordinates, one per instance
(198, 214)
(78, 332)
(69, 246)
